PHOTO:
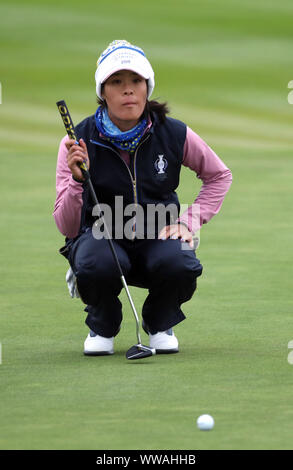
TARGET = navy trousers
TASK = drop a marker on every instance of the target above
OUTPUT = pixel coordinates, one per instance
(168, 271)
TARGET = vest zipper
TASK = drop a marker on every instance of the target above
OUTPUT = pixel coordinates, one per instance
(135, 185)
(133, 180)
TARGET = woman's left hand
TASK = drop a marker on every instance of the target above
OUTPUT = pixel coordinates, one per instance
(177, 231)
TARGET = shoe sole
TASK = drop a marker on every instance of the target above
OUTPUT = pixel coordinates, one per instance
(98, 353)
(167, 351)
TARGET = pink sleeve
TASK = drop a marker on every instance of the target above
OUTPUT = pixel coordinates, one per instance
(67, 209)
(216, 178)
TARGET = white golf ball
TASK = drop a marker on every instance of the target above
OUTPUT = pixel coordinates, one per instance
(205, 422)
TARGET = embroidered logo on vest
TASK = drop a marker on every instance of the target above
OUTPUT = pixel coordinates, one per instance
(161, 165)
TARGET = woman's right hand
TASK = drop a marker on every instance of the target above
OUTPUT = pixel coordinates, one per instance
(77, 154)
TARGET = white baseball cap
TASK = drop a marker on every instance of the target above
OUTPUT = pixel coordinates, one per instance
(121, 55)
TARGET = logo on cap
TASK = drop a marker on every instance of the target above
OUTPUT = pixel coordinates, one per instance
(118, 44)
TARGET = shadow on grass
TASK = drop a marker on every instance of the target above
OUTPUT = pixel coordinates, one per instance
(76, 357)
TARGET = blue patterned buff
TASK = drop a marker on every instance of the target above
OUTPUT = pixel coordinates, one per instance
(128, 140)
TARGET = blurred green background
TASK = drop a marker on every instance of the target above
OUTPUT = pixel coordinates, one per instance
(224, 68)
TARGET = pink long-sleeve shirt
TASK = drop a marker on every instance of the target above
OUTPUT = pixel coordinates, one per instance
(197, 155)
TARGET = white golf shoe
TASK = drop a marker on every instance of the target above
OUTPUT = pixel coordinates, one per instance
(164, 342)
(96, 345)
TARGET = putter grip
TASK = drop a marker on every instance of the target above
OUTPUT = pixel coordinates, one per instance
(69, 126)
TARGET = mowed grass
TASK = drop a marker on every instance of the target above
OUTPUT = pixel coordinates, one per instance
(224, 68)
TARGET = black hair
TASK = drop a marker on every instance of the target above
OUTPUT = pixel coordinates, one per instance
(160, 109)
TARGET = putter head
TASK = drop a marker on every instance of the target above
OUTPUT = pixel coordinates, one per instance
(139, 351)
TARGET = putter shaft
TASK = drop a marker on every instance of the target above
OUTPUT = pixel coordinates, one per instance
(133, 309)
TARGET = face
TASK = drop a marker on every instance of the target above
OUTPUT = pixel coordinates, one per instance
(125, 93)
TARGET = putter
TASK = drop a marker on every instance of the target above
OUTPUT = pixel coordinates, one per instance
(138, 351)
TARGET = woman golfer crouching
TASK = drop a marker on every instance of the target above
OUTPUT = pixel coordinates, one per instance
(134, 153)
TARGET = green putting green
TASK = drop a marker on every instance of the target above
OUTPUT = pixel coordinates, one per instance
(224, 68)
